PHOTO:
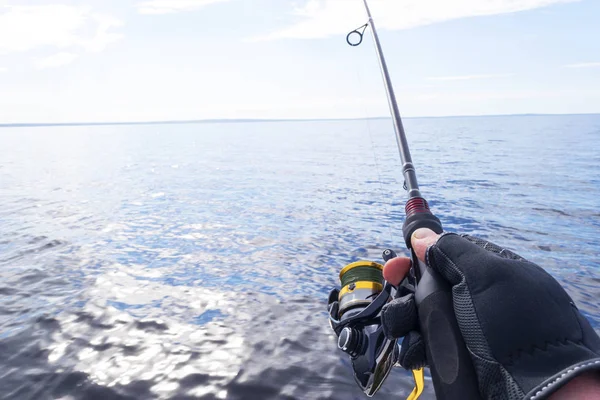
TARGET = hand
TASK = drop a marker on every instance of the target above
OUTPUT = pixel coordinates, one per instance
(526, 336)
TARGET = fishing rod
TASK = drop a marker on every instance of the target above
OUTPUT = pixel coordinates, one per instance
(355, 309)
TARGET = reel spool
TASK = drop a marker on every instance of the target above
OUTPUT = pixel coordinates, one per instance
(361, 282)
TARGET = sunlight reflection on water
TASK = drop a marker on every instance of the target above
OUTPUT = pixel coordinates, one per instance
(195, 260)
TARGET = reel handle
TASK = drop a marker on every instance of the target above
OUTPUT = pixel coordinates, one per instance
(451, 367)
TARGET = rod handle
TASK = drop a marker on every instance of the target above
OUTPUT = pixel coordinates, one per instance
(451, 367)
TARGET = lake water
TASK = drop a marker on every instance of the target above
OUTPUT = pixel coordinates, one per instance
(194, 261)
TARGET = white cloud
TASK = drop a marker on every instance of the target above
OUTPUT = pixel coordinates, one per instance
(55, 60)
(24, 28)
(584, 65)
(172, 6)
(467, 77)
(3, 69)
(322, 18)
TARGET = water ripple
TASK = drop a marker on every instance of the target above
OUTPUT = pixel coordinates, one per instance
(194, 261)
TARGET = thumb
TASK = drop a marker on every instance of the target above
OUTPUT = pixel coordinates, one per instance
(421, 239)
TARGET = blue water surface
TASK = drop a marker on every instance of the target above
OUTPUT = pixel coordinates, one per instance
(194, 260)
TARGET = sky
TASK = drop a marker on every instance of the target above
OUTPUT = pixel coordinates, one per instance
(152, 60)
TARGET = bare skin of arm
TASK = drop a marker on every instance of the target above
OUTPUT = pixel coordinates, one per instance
(582, 387)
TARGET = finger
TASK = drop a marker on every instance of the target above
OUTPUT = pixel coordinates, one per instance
(396, 270)
(399, 317)
(412, 351)
(421, 239)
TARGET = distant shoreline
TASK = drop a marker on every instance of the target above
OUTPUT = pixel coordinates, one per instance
(251, 120)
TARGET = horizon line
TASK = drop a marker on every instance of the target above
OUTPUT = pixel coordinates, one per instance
(251, 120)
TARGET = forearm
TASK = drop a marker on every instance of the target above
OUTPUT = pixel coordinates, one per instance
(583, 387)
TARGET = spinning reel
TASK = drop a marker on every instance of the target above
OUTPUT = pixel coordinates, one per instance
(354, 315)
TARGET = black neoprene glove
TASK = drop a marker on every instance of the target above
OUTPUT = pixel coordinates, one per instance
(525, 335)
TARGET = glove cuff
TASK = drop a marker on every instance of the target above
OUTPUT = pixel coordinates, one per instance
(553, 383)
